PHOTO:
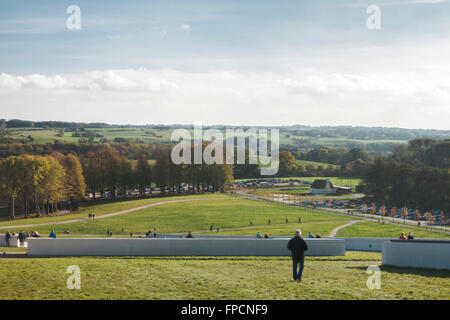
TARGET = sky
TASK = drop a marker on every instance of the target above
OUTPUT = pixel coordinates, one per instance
(234, 62)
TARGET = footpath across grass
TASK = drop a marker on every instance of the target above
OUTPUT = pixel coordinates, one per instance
(216, 278)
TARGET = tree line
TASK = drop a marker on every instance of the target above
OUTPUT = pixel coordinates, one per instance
(37, 183)
(401, 184)
(424, 152)
(40, 184)
(105, 169)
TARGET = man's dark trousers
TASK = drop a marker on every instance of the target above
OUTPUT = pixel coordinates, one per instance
(296, 263)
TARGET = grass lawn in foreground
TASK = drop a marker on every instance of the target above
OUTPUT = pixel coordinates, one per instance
(375, 229)
(216, 278)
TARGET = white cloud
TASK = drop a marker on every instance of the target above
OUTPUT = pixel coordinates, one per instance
(186, 27)
(402, 86)
(409, 99)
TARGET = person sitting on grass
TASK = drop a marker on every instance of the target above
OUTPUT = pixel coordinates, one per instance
(266, 236)
(310, 235)
(52, 234)
(258, 235)
(402, 236)
(410, 236)
(189, 235)
(317, 235)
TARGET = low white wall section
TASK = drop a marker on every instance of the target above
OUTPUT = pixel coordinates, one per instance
(365, 244)
(39, 247)
(432, 254)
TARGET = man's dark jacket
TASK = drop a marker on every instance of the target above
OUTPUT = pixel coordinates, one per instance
(298, 247)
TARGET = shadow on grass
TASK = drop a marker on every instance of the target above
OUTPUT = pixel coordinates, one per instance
(414, 271)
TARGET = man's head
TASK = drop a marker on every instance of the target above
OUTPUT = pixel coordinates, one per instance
(298, 233)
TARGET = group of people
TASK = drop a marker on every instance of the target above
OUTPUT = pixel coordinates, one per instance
(311, 236)
(150, 234)
(409, 237)
(21, 236)
(259, 236)
(211, 228)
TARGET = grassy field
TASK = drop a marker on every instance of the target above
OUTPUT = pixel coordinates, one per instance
(216, 278)
(232, 215)
(316, 164)
(194, 216)
(375, 229)
(48, 135)
(101, 207)
(322, 228)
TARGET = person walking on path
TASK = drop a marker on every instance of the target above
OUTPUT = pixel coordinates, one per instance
(298, 247)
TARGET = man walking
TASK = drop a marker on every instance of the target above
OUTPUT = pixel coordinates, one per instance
(298, 247)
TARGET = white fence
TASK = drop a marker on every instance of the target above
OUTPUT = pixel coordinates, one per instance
(39, 247)
(433, 254)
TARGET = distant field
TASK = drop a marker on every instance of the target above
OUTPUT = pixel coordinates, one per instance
(342, 141)
(316, 164)
(48, 135)
(216, 278)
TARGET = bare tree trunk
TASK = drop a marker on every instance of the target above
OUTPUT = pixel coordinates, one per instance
(13, 211)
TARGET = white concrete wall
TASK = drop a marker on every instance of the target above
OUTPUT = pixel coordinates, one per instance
(365, 244)
(177, 247)
(432, 254)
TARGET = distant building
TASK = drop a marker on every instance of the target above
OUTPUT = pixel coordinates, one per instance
(322, 186)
